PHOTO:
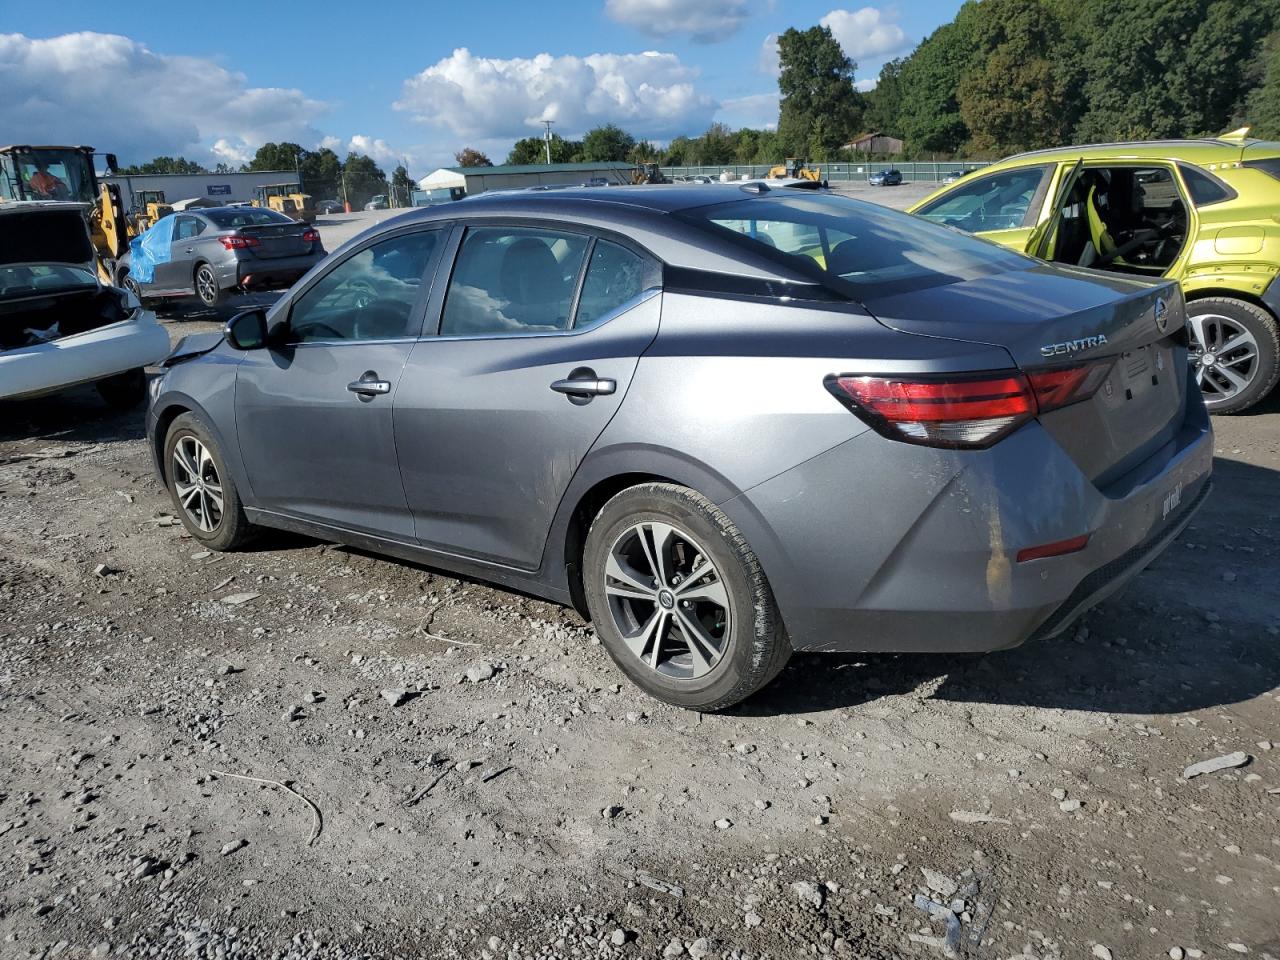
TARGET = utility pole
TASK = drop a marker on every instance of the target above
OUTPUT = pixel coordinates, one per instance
(546, 137)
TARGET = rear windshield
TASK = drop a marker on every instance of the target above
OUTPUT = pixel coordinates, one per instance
(245, 217)
(875, 250)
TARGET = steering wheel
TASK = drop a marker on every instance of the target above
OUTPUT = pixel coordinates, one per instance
(361, 292)
(321, 328)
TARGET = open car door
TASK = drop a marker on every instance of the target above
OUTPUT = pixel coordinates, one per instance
(1044, 237)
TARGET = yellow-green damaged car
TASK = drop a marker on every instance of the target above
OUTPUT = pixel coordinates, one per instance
(1203, 212)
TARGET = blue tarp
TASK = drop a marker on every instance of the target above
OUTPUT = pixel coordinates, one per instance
(151, 248)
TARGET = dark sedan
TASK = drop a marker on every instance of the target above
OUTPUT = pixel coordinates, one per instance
(214, 252)
(724, 422)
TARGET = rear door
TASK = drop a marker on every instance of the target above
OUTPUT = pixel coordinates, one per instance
(314, 412)
(540, 330)
(178, 272)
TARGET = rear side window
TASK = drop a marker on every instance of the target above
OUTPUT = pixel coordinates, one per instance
(513, 280)
(1204, 189)
(187, 227)
(998, 201)
(615, 277)
(231, 217)
(870, 248)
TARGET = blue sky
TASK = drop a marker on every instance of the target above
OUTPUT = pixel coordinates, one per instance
(412, 80)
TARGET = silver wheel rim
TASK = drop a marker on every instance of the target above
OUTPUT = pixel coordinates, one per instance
(1224, 355)
(668, 601)
(197, 484)
(205, 285)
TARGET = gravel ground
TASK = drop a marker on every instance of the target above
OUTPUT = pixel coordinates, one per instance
(446, 769)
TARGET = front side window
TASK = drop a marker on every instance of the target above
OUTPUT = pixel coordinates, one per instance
(369, 296)
(999, 201)
(874, 250)
(510, 280)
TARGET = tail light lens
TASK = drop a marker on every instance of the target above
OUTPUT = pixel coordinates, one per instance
(972, 411)
(311, 235)
(238, 243)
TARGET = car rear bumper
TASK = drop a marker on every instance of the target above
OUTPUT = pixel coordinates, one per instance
(882, 546)
(83, 358)
(267, 274)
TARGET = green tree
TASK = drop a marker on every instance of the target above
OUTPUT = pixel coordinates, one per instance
(820, 106)
(534, 150)
(277, 156)
(717, 146)
(884, 103)
(1017, 93)
(402, 186)
(164, 165)
(469, 157)
(363, 179)
(680, 152)
(1263, 103)
(609, 142)
(643, 152)
(1166, 68)
(321, 172)
(929, 115)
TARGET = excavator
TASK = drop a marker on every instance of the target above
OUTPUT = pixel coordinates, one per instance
(796, 167)
(67, 173)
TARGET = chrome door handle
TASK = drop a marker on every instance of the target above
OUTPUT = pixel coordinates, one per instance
(585, 387)
(369, 386)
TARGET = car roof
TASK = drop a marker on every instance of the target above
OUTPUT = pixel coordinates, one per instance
(1198, 151)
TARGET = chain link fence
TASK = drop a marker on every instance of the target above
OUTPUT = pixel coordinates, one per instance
(929, 171)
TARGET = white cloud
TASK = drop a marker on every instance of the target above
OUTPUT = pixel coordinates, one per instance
(704, 21)
(866, 86)
(757, 110)
(866, 33)
(650, 94)
(767, 60)
(120, 96)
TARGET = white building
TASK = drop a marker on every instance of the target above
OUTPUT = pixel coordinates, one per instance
(221, 187)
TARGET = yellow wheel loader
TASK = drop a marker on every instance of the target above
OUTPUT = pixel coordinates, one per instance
(286, 198)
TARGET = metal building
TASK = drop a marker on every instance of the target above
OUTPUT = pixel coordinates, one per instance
(220, 187)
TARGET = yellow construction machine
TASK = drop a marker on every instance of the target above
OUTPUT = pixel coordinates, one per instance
(796, 167)
(64, 173)
(286, 198)
(647, 173)
(151, 206)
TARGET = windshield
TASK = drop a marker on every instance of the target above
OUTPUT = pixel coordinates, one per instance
(876, 250)
(229, 218)
(48, 175)
(33, 279)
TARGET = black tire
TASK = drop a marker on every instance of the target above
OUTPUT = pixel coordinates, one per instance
(125, 390)
(206, 285)
(754, 647)
(232, 529)
(1264, 371)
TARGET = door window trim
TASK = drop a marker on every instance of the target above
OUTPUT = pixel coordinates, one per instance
(418, 311)
(446, 268)
(1035, 206)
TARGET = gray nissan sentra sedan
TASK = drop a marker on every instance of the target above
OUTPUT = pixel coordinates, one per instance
(725, 423)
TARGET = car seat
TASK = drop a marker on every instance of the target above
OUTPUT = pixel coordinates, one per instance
(532, 284)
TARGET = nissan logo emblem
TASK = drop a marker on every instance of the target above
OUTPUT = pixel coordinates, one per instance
(1162, 315)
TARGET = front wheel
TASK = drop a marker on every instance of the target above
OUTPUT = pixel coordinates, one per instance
(679, 599)
(203, 491)
(207, 288)
(1235, 352)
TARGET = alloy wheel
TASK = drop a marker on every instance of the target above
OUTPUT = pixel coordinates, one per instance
(668, 600)
(1224, 355)
(206, 285)
(197, 484)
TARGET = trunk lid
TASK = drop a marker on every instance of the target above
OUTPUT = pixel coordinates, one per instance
(277, 240)
(1047, 317)
(39, 232)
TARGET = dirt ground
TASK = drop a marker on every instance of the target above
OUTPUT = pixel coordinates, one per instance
(469, 776)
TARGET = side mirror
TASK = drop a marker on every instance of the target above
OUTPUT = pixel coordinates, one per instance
(247, 330)
(112, 164)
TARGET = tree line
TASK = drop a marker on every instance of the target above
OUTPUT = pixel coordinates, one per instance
(322, 173)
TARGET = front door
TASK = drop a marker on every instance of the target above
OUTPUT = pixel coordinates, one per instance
(539, 336)
(314, 412)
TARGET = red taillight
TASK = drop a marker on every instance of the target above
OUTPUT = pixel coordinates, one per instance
(238, 243)
(1058, 548)
(972, 410)
(311, 235)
